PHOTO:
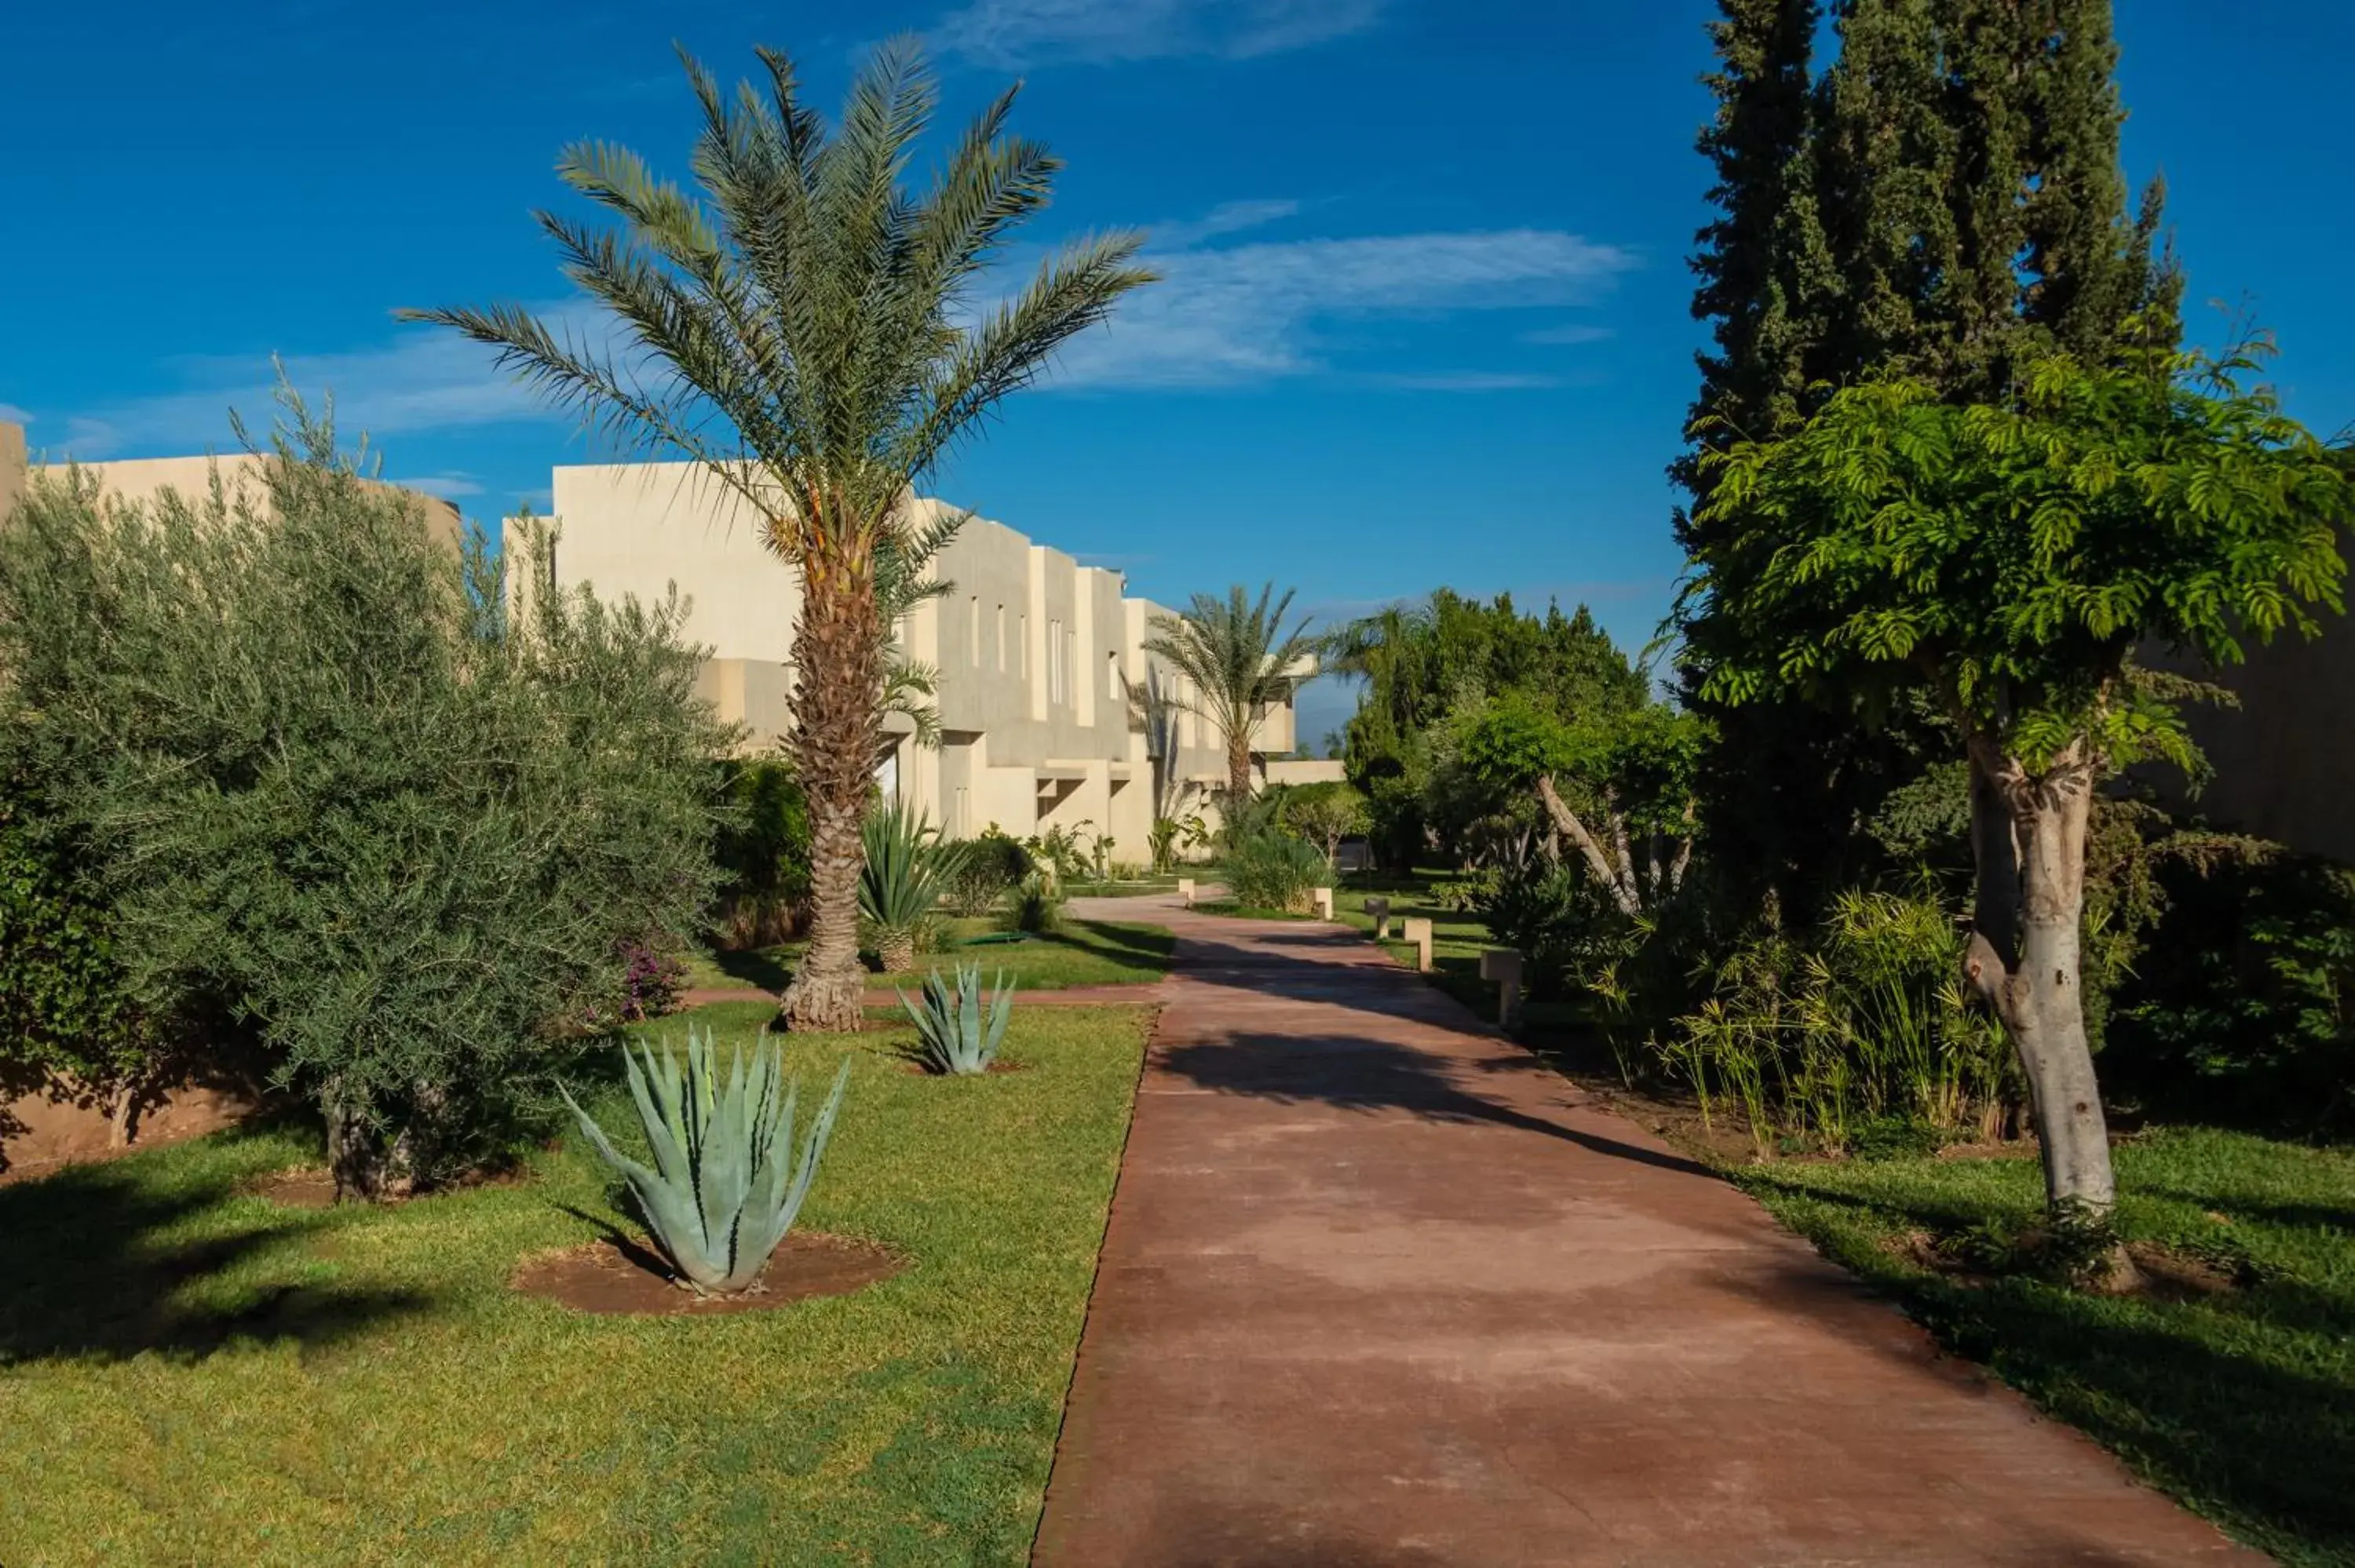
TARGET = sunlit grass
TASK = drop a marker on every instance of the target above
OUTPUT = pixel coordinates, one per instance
(192, 1375)
(1082, 952)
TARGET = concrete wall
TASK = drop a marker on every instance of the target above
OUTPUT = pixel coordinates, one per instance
(1036, 653)
(12, 466)
(1306, 770)
(2284, 759)
(142, 481)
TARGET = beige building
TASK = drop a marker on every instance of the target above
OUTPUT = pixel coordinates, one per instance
(141, 479)
(2283, 757)
(11, 465)
(1038, 656)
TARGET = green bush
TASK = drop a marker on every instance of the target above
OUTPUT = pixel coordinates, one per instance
(2241, 1008)
(1035, 905)
(328, 782)
(763, 850)
(65, 1014)
(1856, 1032)
(1274, 871)
(987, 867)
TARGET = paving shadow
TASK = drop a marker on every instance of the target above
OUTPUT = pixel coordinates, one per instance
(100, 1262)
(1356, 1074)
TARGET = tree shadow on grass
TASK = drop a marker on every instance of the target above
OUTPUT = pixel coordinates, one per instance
(2227, 1400)
(1145, 945)
(117, 1260)
(764, 969)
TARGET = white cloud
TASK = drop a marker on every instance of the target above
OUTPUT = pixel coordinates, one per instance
(448, 486)
(1251, 311)
(1468, 381)
(1227, 217)
(1568, 336)
(1012, 34)
(424, 379)
(1222, 316)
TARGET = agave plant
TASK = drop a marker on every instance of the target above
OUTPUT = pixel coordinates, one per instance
(907, 867)
(952, 1036)
(726, 1184)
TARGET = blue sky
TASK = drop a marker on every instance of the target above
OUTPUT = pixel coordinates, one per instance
(1425, 317)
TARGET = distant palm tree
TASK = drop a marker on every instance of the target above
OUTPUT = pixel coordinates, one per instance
(1233, 654)
(803, 326)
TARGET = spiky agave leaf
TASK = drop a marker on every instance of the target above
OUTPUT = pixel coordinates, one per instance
(726, 1185)
(953, 1037)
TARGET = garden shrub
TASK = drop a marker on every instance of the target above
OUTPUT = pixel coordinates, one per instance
(1272, 870)
(985, 870)
(66, 1022)
(1863, 1025)
(763, 850)
(2241, 1008)
(325, 775)
(1035, 905)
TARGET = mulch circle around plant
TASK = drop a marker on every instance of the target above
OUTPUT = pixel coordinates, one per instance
(618, 1276)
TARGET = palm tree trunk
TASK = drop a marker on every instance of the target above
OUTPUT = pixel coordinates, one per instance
(837, 723)
(1238, 779)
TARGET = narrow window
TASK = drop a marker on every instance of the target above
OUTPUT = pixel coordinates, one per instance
(973, 632)
(1001, 639)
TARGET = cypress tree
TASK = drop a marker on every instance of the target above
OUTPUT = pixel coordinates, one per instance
(1944, 200)
(1764, 269)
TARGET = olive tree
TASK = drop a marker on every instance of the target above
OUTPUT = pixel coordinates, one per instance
(335, 798)
(2010, 557)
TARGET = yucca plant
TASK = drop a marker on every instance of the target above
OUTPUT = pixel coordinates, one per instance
(727, 1183)
(953, 1036)
(908, 867)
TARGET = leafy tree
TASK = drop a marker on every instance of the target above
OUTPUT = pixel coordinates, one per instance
(1426, 669)
(1617, 787)
(1325, 815)
(2008, 557)
(329, 792)
(797, 325)
(1235, 656)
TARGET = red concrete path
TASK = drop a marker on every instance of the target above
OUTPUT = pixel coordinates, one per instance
(1140, 994)
(1379, 1291)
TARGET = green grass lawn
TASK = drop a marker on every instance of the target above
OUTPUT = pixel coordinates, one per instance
(1083, 952)
(191, 1375)
(2240, 1402)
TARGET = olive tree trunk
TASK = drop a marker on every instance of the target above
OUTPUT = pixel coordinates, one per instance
(837, 723)
(2028, 839)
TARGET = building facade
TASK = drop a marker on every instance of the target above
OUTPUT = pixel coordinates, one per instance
(1052, 712)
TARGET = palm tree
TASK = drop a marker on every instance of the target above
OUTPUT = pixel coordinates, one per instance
(1233, 654)
(802, 326)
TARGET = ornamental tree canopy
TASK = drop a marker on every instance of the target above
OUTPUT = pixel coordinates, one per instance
(2014, 555)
